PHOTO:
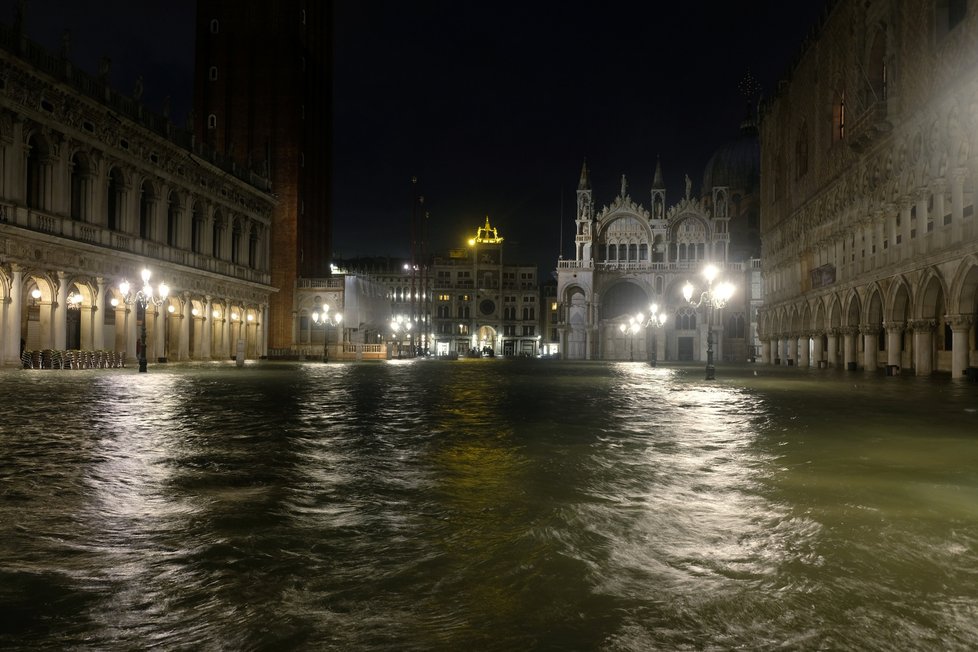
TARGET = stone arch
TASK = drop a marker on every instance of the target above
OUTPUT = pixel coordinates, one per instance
(873, 306)
(963, 292)
(852, 309)
(931, 293)
(623, 297)
(818, 323)
(898, 301)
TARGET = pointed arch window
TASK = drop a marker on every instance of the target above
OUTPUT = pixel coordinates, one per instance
(113, 204)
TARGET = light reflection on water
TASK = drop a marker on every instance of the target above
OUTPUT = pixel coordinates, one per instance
(490, 504)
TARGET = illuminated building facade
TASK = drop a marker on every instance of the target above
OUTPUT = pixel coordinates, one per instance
(480, 304)
(627, 256)
(93, 189)
(870, 163)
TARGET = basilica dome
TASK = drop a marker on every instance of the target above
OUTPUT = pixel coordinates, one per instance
(735, 164)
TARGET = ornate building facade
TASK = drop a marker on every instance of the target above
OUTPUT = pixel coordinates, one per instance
(93, 189)
(870, 166)
(627, 257)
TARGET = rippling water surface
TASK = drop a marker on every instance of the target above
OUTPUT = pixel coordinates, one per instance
(486, 505)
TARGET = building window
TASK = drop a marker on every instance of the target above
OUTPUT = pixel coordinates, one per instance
(171, 220)
(113, 204)
(528, 331)
(212, 73)
(215, 26)
(212, 121)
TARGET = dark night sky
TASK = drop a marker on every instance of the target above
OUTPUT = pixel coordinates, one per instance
(492, 106)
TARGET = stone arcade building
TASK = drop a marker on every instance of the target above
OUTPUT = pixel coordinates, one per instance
(870, 167)
(94, 188)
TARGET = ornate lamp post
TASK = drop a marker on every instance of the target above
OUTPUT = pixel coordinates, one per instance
(656, 321)
(712, 297)
(327, 320)
(143, 298)
(633, 326)
(399, 324)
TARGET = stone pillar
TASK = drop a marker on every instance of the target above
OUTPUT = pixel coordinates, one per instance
(832, 348)
(894, 340)
(818, 353)
(870, 347)
(228, 347)
(957, 203)
(159, 331)
(905, 245)
(792, 353)
(960, 328)
(207, 329)
(15, 312)
(803, 343)
(765, 351)
(923, 346)
(186, 318)
(849, 351)
(130, 330)
(61, 312)
(98, 318)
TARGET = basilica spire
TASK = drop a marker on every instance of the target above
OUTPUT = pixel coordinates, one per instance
(658, 192)
(585, 183)
(657, 183)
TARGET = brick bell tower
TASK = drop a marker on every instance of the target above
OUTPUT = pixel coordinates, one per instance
(262, 98)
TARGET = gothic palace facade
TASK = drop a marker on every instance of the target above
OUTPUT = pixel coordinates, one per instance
(870, 168)
(94, 189)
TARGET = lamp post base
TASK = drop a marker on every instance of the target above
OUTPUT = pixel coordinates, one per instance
(710, 372)
(142, 365)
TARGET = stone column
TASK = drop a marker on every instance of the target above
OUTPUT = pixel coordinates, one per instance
(870, 347)
(15, 312)
(765, 351)
(960, 328)
(849, 334)
(130, 330)
(60, 312)
(803, 342)
(894, 340)
(905, 245)
(818, 353)
(98, 318)
(792, 353)
(228, 346)
(923, 346)
(159, 331)
(208, 329)
(183, 347)
(957, 202)
(832, 348)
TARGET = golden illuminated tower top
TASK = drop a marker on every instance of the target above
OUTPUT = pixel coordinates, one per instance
(486, 235)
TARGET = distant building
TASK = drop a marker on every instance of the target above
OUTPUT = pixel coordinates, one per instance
(469, 301)
(263, 98)
(94, 188)
(870, 168)
(481, 303)
(628, 256)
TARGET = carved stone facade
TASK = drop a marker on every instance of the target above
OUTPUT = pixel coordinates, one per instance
(628, 257)
(93, 190)
(870, 168)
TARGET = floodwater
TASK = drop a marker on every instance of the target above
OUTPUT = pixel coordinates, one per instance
(486, 505)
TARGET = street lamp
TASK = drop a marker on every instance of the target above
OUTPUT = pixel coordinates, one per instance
(327, 320)
(656, 321)
(711, 298)
(143, 298)
(633, 326)
(400, 323)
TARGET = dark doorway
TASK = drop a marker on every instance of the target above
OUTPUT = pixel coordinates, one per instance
(685, 349)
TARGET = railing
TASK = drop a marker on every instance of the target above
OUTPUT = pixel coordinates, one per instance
(676, 266)
(62, 227)
(331, 283)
